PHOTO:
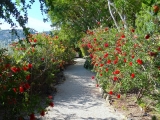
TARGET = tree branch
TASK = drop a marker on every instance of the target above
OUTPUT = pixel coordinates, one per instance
(109, 3)
(122, 18)
(120, 15)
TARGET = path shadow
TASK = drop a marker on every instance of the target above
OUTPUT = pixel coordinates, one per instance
(77, 93)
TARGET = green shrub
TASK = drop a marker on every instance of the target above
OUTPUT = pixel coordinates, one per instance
(27, 71)
(88, 63)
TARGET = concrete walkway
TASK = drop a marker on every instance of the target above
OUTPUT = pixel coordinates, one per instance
(79, 99)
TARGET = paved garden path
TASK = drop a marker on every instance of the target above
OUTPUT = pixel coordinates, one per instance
(78, 98)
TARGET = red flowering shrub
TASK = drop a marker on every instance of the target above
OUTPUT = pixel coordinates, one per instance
(123, 63)
(24, 74)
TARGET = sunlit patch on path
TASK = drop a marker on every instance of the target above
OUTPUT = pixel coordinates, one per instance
(78, 98)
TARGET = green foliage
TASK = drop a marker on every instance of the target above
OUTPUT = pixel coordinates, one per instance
(128, 9)
(124, 63)
(23, 73)
(77, 16)
(151, 20)
(84, 50)
(125, 60)
(88, 63)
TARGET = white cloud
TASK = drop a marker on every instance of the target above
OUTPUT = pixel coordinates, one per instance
(5, 25)
(36, 24)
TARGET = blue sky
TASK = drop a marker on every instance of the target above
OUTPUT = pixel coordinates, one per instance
(35, 19)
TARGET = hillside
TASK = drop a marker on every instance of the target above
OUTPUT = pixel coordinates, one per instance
(7, 37)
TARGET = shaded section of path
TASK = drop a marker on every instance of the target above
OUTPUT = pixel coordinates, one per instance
(78, 98)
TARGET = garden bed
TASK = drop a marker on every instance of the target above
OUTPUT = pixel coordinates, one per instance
(128, 106)
(130, 109)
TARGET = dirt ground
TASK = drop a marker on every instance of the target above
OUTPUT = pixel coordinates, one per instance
(130, 109)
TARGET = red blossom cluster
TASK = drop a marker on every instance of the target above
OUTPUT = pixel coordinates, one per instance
(120, 58)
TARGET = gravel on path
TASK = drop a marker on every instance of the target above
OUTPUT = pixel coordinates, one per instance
(79, 99)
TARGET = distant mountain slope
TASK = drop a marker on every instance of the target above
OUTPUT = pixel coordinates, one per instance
(8, 35)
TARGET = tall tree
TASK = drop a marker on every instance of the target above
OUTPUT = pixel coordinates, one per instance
(79, 15)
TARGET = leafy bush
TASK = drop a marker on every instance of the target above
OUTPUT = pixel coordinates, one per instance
(124, 60)
(27, 71)
(88, 63)
(84, 51)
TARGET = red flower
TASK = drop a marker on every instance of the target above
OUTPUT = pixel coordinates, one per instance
(94, 39)
(97, 85)
(106, 29)
(42, 113)
(115, 61)
(107, 69)
(101, 65)
(147, 36)
(7, 65)
(51, 104)
(125, 60)
(130, 63)
(93, 77)
(14, 89)
(152, 53)
(30, 65)
(123, 36)
(35, 40)
(50, 97)
(30, 40)
(15, 69)
(100, 59)
(132, 56)
(132, 75)
(91, 33)
(124, 54)
(109, 62)
(42, 59)
(106, 45)
(111, 92)
(115, 78)
(28, 77)
(21, 90)
(27, 86)
(132, 30)
(118, 49)
(106, 55)
(56, 37)
(158, 48)
(18, 69)
(99, 49)
(25, 68)
(155, 8)
(32, 117)
(89, 45)
(139, 61)
(136, 45)
(118, 96)
(116, 72)
(91, 56)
